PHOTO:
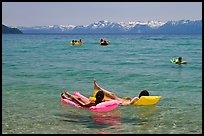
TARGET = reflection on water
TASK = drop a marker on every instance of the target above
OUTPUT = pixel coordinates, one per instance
(147, 110)
(111, 117)
(100, 121)
(139, 115)
(112, 121)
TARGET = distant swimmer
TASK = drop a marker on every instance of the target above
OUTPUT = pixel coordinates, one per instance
(179, 60)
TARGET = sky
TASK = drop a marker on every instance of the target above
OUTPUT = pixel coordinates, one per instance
(84, 13)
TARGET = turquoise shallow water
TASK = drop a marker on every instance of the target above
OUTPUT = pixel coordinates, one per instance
(37, 68)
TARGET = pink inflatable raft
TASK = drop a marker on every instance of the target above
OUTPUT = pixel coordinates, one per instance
(101, 107)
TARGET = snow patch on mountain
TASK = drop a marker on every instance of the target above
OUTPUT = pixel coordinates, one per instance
(105, 26)
(99, 24)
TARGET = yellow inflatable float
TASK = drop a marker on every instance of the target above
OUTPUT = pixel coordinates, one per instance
(77, 43)
(144, 100)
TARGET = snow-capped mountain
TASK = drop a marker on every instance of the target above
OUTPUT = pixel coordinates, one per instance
(181, 26)
(153, 24)
(104, 26)
(100, 27)
(48, 29)
(99, 24)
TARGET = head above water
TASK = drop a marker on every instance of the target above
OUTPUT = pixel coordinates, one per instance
(99, 96)
(144, 93)
(179, 58)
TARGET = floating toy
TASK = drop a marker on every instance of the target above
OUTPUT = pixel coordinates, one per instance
(147, 100)
(77, 43)
(101, 107)
(144, 100)
(175, 62)
(104, 43)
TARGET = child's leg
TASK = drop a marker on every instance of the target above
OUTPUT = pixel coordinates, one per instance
(64, 96)
(134, 100)
(75, 99)
(106, 92)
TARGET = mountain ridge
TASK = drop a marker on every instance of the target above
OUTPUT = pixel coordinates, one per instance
(138, 27)
(10, 30)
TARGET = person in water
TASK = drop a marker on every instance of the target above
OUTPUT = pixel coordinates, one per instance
(80, 41)
(105, 41)
(81, 101)
(123, 100)
(179, 59)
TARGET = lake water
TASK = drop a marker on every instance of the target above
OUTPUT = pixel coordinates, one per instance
(37, 68)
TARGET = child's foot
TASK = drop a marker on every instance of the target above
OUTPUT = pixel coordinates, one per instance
(96, 85)
(63, 97)
(67, 93)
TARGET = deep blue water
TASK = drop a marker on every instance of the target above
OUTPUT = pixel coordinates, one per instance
(37, 68)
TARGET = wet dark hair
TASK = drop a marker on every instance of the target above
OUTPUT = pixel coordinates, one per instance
(180, 58)
(99, 96)
(144, 93)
